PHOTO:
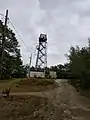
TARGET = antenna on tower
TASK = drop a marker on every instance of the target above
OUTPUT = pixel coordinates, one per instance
(41, 61)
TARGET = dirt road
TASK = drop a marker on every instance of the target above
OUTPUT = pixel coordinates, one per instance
(69, 105)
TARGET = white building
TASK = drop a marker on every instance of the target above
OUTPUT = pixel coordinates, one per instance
(37, 74)
(52, 74)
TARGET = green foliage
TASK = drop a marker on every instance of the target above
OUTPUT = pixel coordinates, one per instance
(80, 66)
(12, 63)
(63, 71)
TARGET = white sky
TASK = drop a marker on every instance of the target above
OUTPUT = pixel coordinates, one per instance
(66, 22)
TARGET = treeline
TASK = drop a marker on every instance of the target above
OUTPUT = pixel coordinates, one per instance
(78, 68)
(79, 65)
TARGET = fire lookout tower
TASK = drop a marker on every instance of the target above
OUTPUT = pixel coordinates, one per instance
(41, 61)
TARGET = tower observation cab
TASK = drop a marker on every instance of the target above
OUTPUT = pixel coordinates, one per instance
(43, 38)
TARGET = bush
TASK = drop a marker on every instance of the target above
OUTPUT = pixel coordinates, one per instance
(83, 80)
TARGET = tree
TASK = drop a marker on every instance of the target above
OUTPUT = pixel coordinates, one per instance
(80, 65)
(12, 59)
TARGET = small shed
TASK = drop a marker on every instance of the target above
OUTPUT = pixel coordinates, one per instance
(37, 74)
(53, 74)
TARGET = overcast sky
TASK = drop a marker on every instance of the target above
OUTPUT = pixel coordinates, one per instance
(66, 22)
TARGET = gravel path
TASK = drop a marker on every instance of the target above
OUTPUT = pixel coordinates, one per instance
(69, 105)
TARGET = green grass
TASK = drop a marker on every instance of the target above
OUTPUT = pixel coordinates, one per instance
(7, 83)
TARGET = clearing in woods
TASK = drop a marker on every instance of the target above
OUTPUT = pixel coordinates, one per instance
(61, 103)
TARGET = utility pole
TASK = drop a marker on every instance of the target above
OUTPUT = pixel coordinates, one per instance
(30, 65)
(3, 44)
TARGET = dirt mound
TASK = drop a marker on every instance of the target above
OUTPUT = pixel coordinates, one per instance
(37, 81)
(33, 85)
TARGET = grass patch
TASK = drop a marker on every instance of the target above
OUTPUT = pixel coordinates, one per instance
(6, 81)
(29, 85)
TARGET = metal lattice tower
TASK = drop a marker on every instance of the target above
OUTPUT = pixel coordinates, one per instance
(41, 61)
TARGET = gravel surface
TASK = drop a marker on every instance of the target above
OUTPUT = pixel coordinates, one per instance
(70, 105)
(62, 103)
